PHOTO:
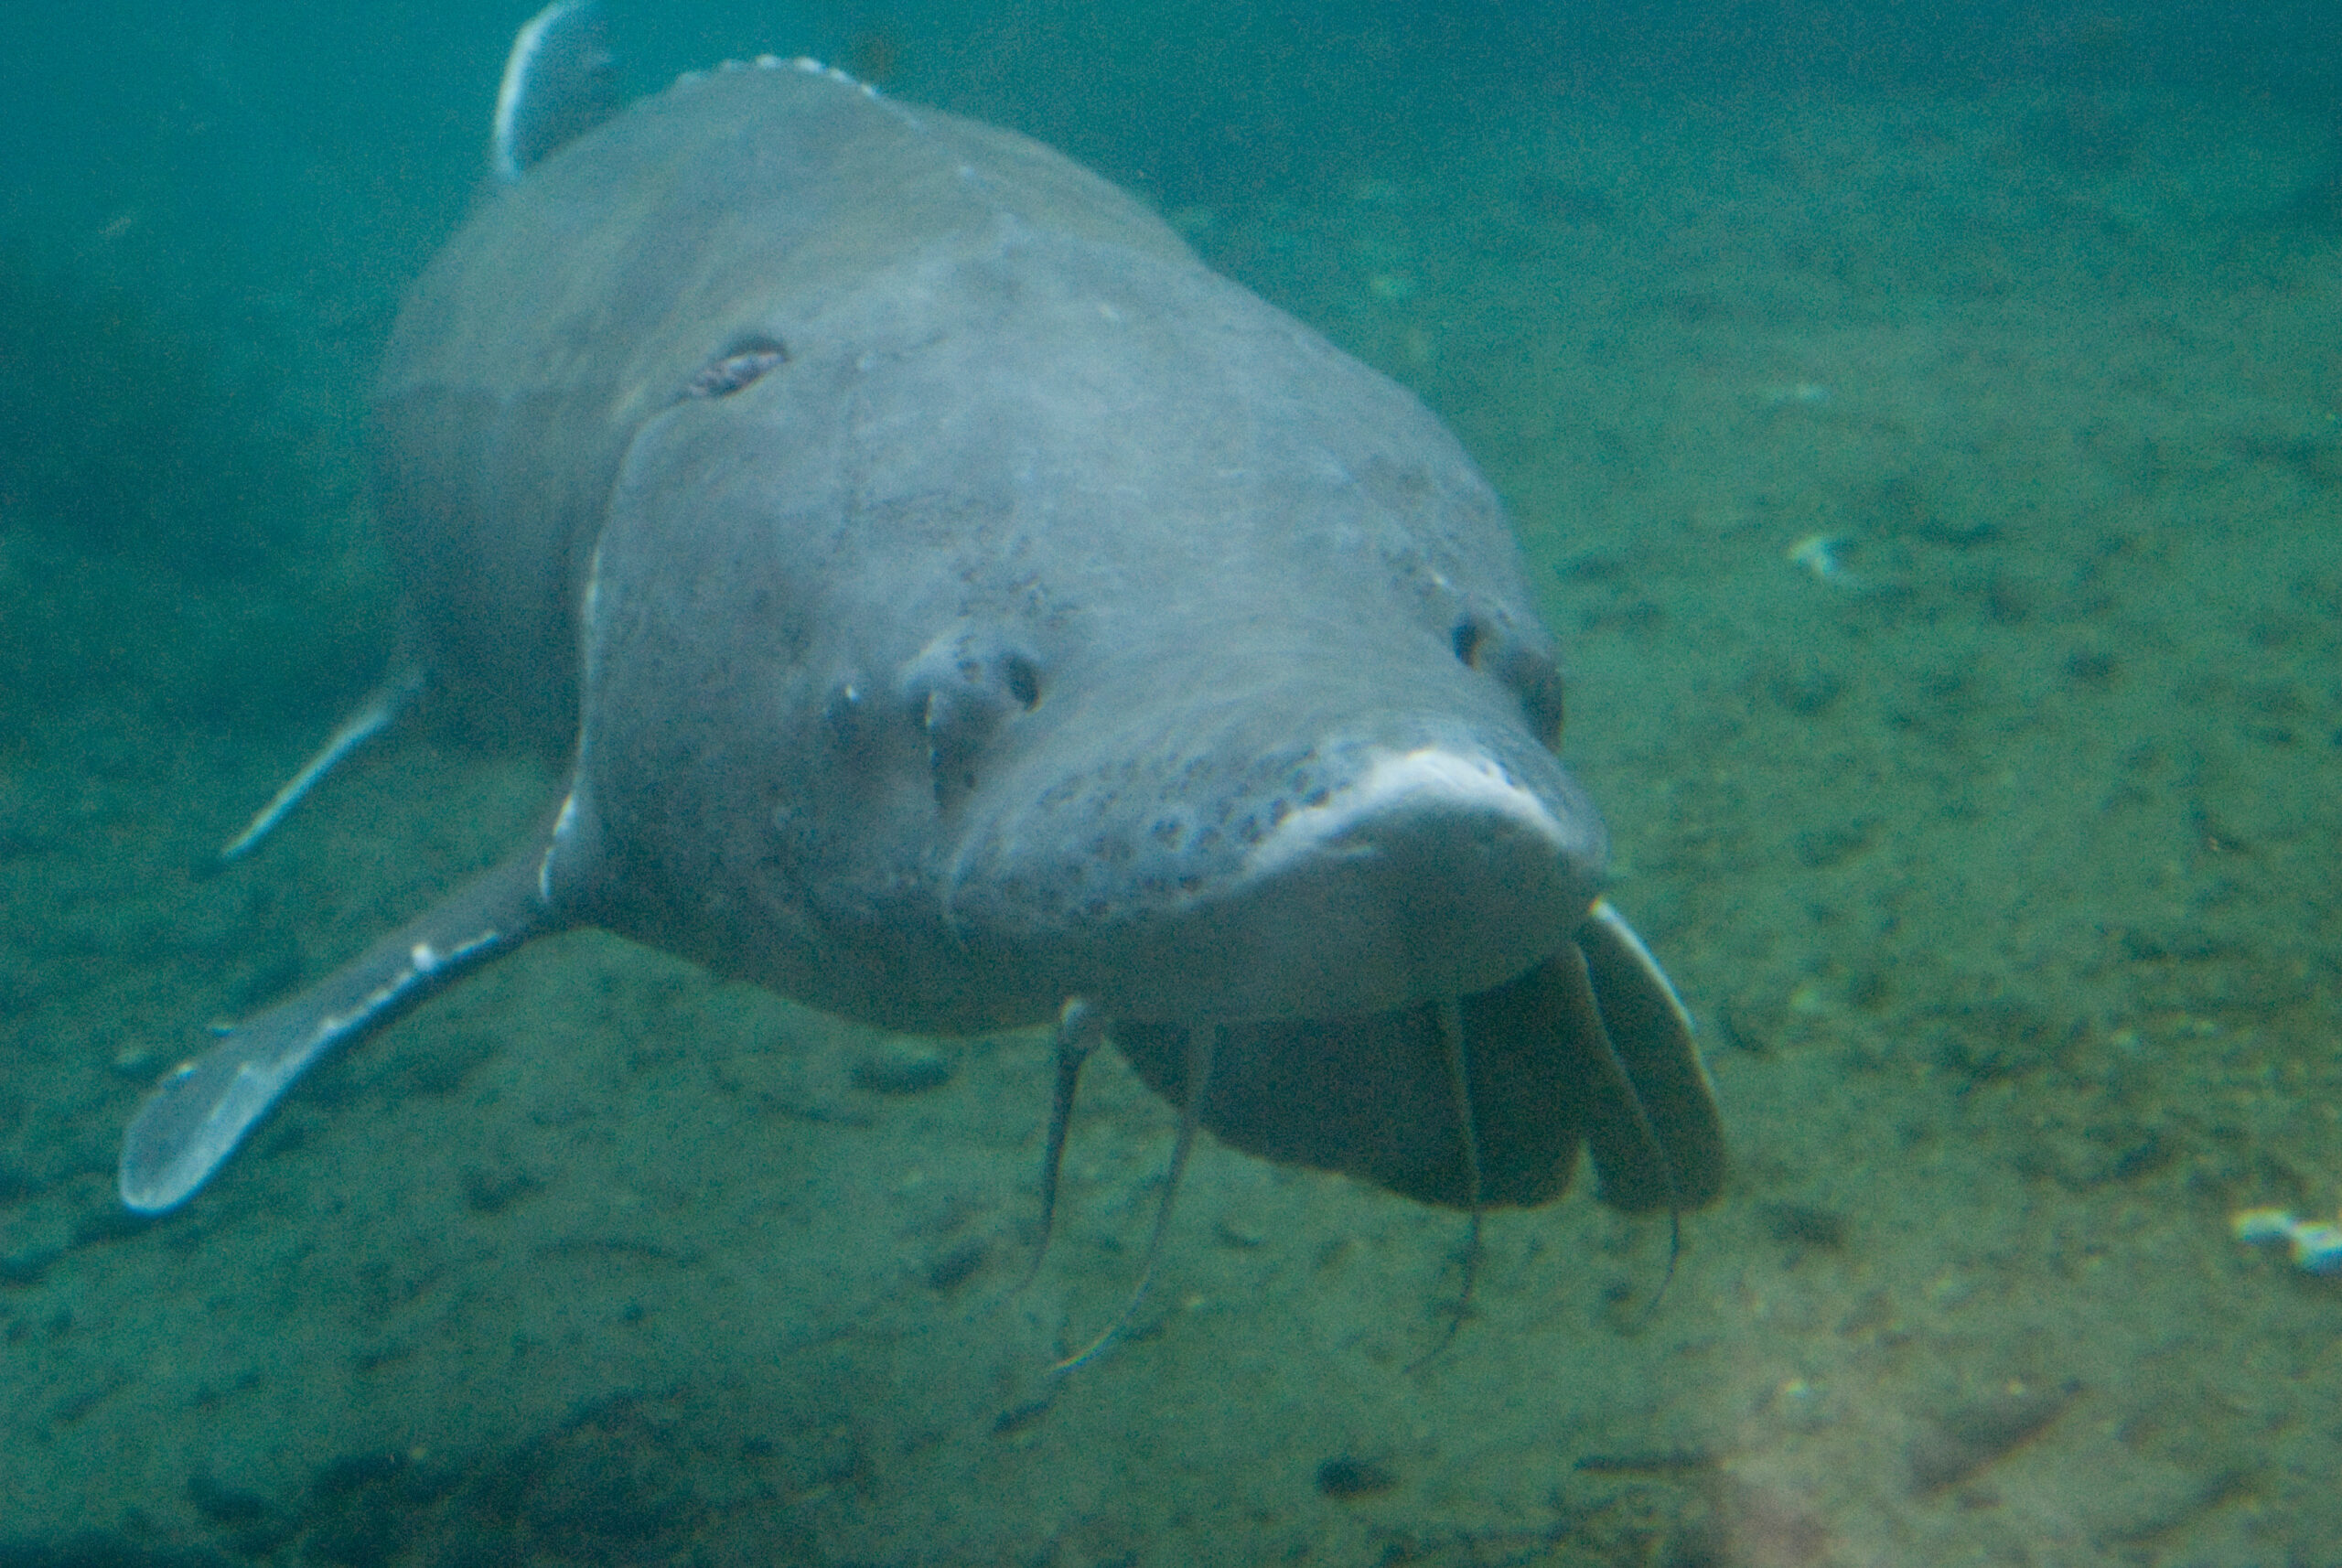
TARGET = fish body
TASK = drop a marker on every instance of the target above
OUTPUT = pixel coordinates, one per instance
(963, 609)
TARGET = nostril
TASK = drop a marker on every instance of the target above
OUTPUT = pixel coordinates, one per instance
(1542, 700)
(843, 712)
(1467, 639)
(959, 689)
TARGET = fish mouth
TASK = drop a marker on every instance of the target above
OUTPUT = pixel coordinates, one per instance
(1429, 791)
(1338, 879)
(1470, 1103)
(1485, 1107)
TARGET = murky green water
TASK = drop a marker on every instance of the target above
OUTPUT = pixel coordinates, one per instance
(1936, 480)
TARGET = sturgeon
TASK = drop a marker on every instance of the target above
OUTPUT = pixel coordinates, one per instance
(963, 609)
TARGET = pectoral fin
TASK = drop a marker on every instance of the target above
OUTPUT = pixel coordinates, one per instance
(197, 1115)
(1660, 1145)
(382, 708)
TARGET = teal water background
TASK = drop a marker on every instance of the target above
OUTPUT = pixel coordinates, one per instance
(1999, 863)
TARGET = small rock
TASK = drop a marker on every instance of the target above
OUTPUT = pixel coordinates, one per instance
(1346, 1477)
(957, 1265)
(901, 1069)
(1965, 1438)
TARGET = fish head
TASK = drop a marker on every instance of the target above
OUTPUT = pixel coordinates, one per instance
(1286, 818)
(1053, 621)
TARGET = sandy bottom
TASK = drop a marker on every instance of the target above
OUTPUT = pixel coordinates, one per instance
(1995, 848)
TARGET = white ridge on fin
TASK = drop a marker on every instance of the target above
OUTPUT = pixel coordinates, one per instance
(558, 84)
(382, 709)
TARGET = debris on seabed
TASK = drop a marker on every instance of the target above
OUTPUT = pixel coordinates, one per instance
(2316, 1246)
(1818, 554)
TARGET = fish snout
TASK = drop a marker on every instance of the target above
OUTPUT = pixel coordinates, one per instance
(1295, 881)
(1434, 870)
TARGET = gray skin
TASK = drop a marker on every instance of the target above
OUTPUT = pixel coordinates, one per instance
(965, 610)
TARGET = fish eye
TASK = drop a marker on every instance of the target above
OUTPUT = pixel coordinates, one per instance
(1023, 680)
(1533, 677)
(738, 365)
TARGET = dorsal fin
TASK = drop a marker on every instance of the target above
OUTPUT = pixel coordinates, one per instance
(558, 84)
